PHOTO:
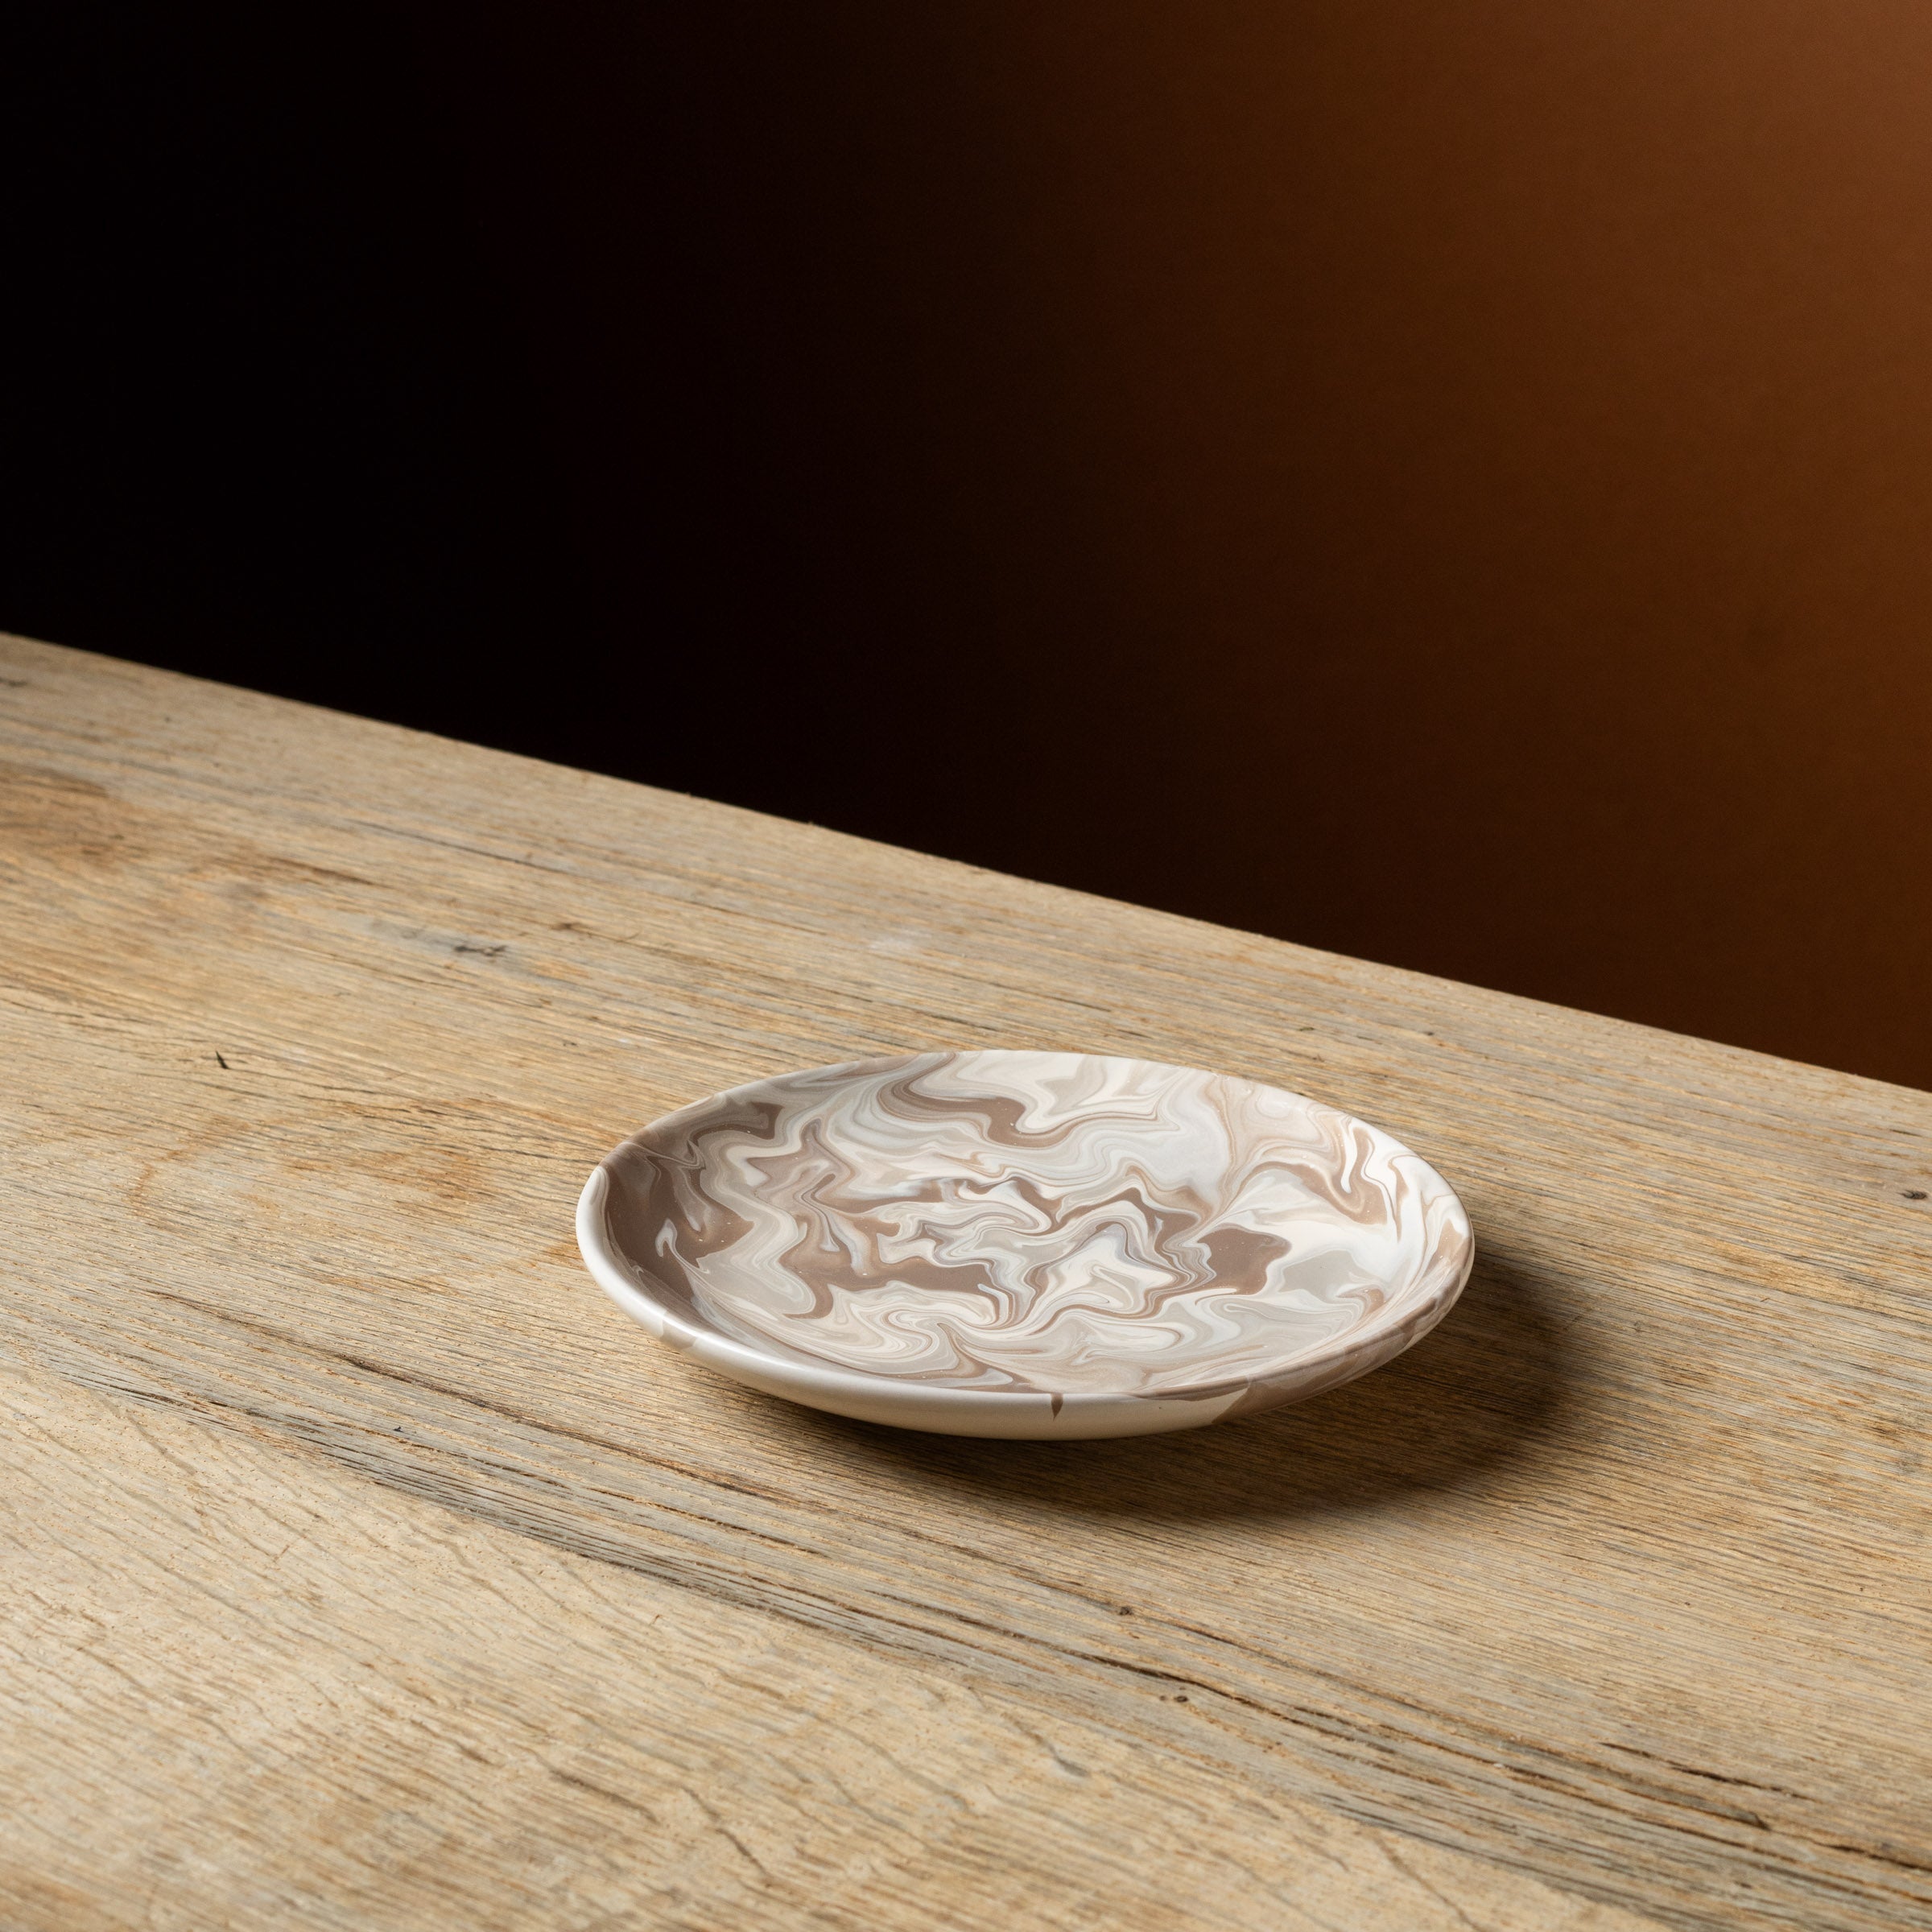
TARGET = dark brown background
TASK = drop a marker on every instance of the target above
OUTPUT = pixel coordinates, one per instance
(1453, 484)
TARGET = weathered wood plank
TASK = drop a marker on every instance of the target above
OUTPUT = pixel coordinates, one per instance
(1617, 1590)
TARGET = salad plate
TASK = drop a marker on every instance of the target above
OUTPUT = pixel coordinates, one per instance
(1026, 1243)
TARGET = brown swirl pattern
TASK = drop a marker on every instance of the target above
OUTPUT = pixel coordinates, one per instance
(1038, 1222)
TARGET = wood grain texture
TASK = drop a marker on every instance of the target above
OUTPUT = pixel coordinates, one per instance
(365, 1569)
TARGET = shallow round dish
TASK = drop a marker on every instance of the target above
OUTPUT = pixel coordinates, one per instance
(1012, 1244)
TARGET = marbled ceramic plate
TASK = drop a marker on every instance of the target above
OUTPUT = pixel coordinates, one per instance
(1026, 1243)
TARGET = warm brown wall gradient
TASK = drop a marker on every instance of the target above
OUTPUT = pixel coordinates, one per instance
(1449, 484)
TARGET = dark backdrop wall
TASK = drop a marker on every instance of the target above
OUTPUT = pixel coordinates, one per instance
(1449, 484)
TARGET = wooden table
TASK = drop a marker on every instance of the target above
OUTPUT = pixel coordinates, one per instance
(365, 1569)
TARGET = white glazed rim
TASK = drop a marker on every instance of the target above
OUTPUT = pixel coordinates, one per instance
(608, 1268)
